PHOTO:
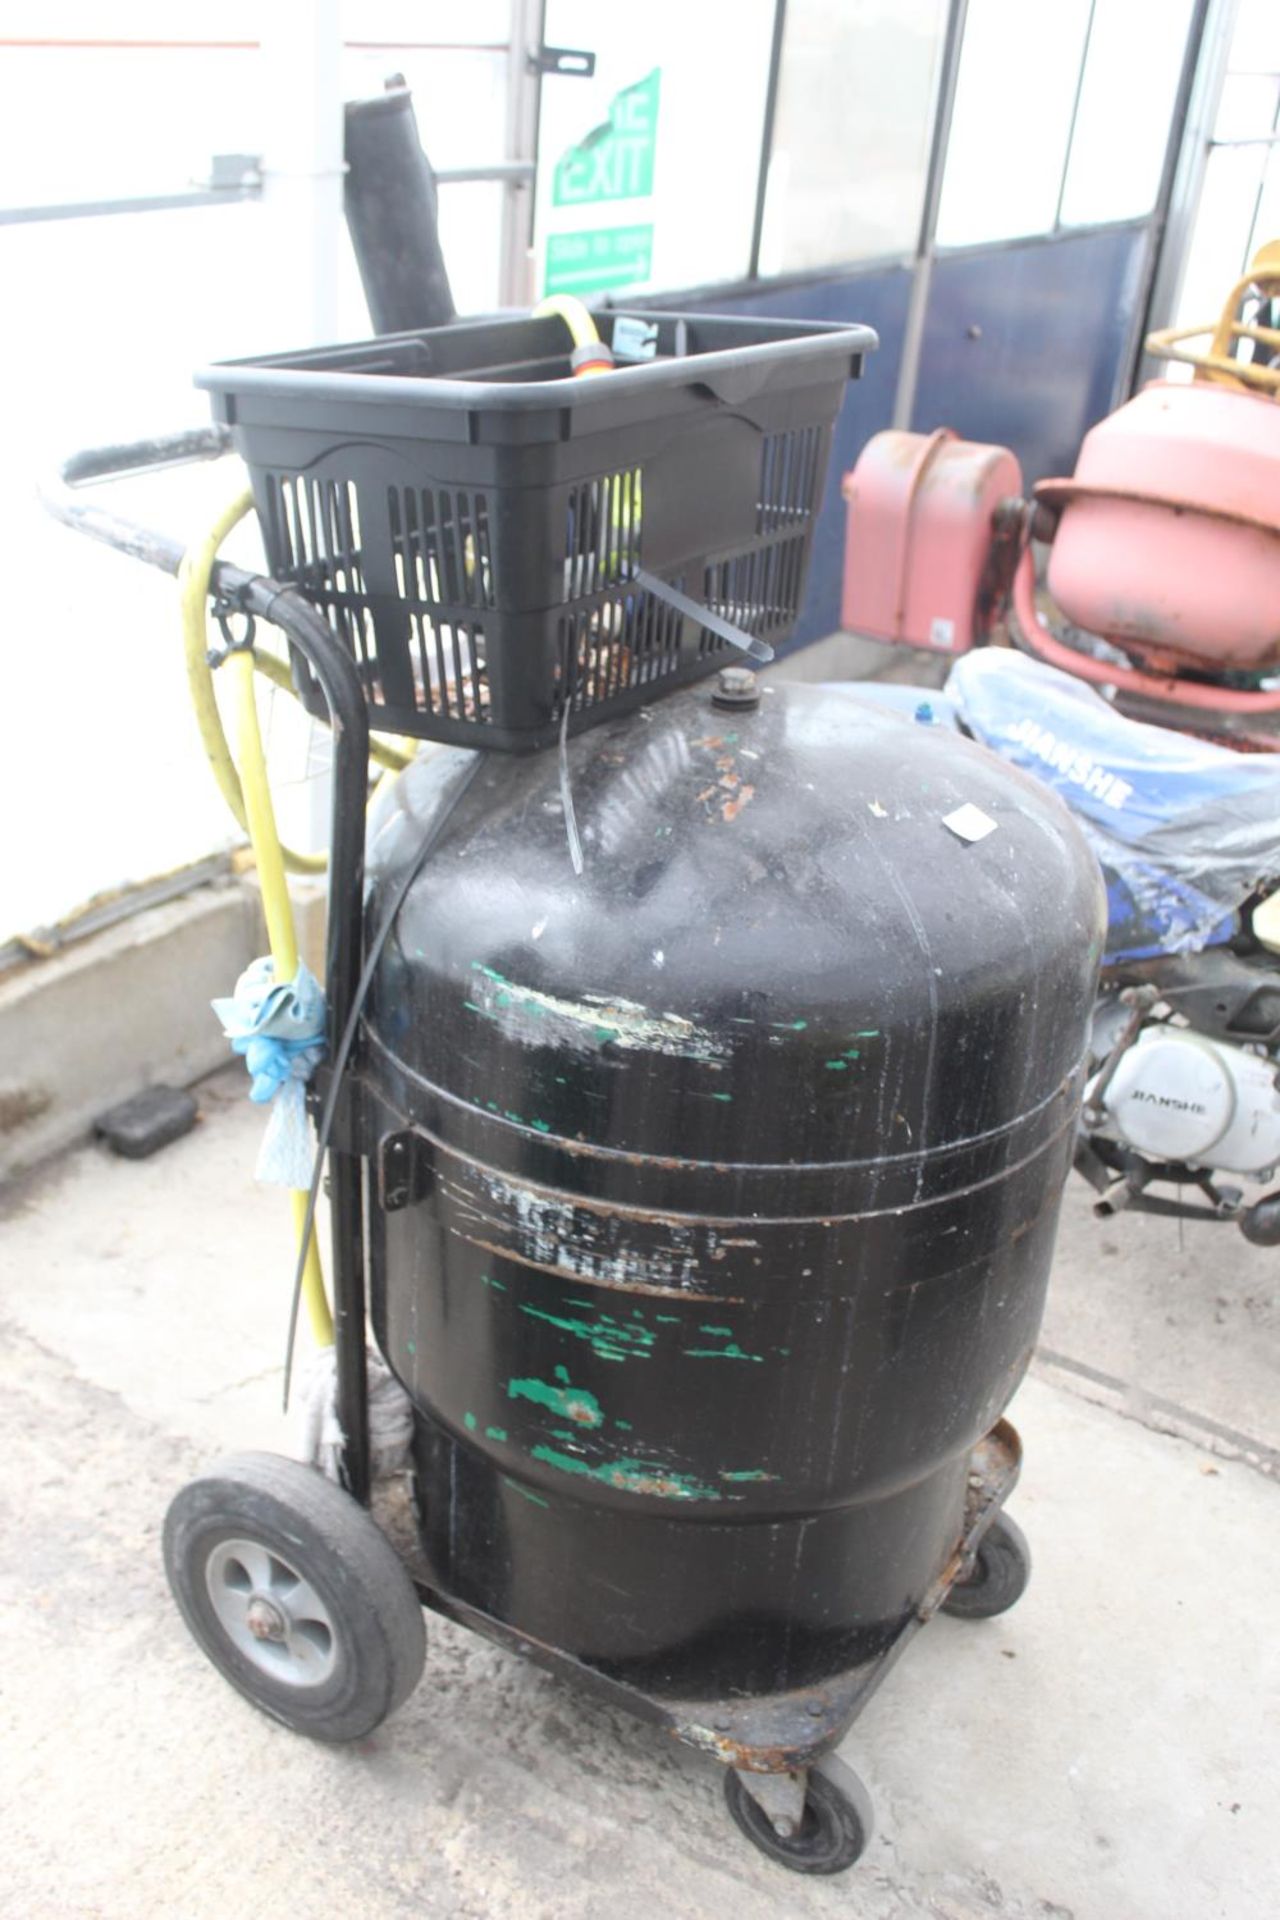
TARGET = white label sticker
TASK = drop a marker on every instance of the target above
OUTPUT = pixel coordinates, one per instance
(942, 633)
(970, 823)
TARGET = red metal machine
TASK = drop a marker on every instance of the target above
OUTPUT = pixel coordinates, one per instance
(1163, 548)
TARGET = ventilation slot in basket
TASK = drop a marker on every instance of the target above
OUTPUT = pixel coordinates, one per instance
(757, 591)
(313, 539)
(788, 479)
(633, 640)
(443, 557)
(602, 533)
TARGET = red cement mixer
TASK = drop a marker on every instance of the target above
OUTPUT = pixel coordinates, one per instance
(1163, 576)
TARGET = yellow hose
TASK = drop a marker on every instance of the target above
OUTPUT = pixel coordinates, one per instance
(281, 934)
(576, 316)
(250, 803)
(193, 592)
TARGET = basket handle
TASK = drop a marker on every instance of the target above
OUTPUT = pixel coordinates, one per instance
(731, 385)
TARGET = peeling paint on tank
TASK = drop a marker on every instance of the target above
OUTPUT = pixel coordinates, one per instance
(631, 1476)
(731, 1352)
(570, 1403)
(550, 1231)
(608, 1338)
(597, 1019)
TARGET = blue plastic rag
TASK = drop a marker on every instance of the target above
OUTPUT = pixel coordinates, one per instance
(279, 1029)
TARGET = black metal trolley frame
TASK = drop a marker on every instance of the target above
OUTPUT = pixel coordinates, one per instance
(778, 1752)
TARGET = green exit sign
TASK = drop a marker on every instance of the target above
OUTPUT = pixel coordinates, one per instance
(591, 262)
(615, 162)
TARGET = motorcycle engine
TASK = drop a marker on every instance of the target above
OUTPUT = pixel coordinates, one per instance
(1177, 1096)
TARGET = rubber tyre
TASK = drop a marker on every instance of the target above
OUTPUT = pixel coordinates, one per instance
(379, 1640)
(836, 1827)
(999, 1577)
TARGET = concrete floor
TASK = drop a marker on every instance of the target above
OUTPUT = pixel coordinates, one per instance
(1108, 1751)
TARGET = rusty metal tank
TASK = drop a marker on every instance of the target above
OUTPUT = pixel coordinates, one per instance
(717, 1183)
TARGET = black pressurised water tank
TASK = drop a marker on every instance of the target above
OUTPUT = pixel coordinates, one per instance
(735, 1162)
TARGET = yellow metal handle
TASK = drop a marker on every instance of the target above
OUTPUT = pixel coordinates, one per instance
(1217, 362)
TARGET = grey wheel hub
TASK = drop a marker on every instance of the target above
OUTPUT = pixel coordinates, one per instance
(271, 1613)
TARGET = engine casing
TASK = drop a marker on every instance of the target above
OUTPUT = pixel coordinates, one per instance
(1177, 1095)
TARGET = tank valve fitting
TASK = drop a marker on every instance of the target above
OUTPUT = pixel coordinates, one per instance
(736, 687)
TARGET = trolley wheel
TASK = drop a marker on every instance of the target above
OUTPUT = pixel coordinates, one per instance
(294, 1594)
(998, 1577)
(834, 1830)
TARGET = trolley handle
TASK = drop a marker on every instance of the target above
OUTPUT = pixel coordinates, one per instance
(297, 619)
(95, 464)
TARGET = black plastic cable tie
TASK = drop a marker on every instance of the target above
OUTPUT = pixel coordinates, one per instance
(566, 794)
(694, 610)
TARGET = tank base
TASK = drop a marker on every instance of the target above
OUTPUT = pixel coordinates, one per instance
(790, 1731)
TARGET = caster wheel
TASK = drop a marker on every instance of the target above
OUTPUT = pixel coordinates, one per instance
(999, 1576)
(835, 1827)
(296, 1597)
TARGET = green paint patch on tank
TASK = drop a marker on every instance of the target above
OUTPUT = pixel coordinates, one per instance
(487, 1280)
(469, 1422)
(608, 1337)
(730, 1351)
(631, 1476)
(751, 1473)
(568, 1402)
(495, 1433)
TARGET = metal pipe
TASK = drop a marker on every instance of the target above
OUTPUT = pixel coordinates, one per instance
(141, 203)
(520, 145)
(904, 402)
(1204, 69)
(766, 134)
(302, 165)
(508, 173)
